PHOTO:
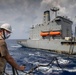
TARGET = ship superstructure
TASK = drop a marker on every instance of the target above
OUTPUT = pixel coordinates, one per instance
(54, 35)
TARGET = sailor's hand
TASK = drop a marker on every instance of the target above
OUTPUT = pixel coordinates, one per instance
(22, 68)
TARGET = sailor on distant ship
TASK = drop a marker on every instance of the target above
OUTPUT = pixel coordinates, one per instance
(5, 31)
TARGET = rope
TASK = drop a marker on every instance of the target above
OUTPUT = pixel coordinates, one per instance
(31, 70)
(15, 72)
(6, 73)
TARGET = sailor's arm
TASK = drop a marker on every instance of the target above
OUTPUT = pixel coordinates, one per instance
(5, 54)
(12, 62)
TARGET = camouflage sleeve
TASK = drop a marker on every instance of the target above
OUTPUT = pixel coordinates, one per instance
(4, 50)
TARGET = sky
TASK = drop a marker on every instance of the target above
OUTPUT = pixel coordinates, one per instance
(22, 14)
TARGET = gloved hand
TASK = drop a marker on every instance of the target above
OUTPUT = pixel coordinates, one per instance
(22, 68)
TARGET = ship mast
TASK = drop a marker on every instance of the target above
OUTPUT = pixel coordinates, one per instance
(54, 9)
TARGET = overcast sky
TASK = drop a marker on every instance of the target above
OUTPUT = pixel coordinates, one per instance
(22, 14)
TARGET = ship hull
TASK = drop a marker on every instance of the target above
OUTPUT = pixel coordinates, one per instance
(52, 45)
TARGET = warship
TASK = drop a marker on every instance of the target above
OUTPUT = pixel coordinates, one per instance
(53, 35)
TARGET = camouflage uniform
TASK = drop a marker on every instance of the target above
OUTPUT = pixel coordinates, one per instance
(3, 52)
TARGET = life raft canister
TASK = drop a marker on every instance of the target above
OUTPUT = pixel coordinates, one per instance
(44, 33)
(55, 33)
(52, 33)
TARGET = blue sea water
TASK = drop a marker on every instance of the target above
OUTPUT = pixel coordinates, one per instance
(34, 57)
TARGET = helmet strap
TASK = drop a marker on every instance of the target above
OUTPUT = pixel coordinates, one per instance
(4, 37)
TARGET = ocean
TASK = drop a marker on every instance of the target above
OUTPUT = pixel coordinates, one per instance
(51, 63)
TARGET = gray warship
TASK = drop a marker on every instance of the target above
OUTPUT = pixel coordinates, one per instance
(53, 35)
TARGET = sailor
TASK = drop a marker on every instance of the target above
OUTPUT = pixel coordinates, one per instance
(5, 31)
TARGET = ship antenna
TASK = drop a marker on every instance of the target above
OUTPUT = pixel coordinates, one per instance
(55, 9)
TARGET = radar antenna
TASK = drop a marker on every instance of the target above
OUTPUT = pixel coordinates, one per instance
(55, 9)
